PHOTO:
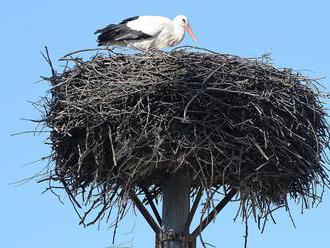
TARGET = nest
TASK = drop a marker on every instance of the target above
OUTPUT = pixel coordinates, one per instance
(122, 122)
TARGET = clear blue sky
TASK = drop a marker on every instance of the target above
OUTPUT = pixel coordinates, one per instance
(296, 32)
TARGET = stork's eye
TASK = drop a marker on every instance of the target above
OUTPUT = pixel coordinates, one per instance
(184, 21)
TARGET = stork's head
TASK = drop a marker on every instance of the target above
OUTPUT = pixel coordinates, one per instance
(182, 21)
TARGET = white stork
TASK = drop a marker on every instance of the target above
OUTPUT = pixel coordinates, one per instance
(146, 32)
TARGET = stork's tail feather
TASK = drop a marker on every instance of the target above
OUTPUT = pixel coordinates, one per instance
(107, 34)
(107, 28)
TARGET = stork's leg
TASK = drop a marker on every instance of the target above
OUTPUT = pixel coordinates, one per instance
(154, 50)
(109, 49)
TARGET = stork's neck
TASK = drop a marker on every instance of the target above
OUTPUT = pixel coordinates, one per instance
(179, 31)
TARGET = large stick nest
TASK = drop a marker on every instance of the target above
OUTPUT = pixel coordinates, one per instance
(126, 122)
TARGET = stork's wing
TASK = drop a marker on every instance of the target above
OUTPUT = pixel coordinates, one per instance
(134, 28)
(151, 25)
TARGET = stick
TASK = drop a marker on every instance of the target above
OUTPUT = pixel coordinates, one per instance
(144, 212)
(193, 208)
(152, 205)
(214, 212)
(84, 50)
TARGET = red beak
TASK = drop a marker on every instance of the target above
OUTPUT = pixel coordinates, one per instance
(190, 32)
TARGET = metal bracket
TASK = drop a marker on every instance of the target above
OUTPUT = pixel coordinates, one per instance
(171, 235)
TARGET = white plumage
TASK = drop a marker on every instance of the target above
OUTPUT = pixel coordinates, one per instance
(146, 32)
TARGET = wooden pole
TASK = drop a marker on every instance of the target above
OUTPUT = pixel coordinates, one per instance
(175, 212)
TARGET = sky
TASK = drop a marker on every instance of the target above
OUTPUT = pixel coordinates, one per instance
(295, 32)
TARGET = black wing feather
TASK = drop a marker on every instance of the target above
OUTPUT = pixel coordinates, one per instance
(129, 19)
(120, 32)
(109, 27)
